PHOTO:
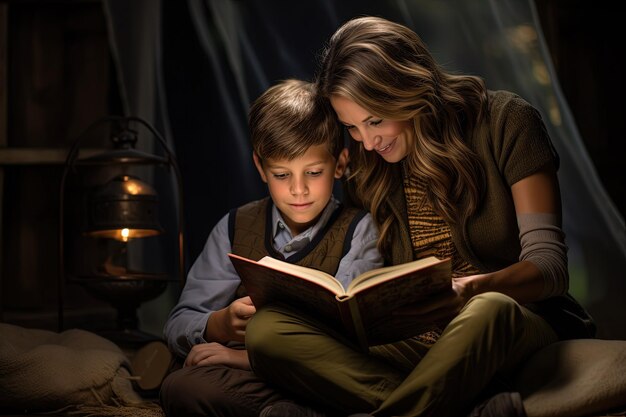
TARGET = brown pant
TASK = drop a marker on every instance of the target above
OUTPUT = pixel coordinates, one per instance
(217, 391)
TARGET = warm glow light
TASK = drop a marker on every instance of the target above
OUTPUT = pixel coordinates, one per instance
(132, 185)
(125, 232)
(133, 188)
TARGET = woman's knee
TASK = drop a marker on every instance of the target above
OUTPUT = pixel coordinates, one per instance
(495, 306)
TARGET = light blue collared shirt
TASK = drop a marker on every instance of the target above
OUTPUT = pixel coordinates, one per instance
(212, 280)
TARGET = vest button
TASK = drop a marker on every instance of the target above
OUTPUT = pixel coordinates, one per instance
(288, 248)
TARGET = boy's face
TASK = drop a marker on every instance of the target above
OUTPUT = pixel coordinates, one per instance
(301, 187)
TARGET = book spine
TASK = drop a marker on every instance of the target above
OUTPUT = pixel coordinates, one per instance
(357, 323)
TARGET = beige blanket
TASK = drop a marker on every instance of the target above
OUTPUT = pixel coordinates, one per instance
(575, 378)
(85, 374)
(75, 370)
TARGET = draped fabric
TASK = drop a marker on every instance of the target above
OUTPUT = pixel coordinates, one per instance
(204, 61)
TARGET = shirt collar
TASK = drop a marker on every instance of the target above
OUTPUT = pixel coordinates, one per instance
(279, 225)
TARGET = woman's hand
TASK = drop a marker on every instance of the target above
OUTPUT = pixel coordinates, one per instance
(205, 354)
(229, 324)
(465, 287)
(442, 307)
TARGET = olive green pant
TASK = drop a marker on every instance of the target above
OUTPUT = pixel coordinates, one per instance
(490, 337)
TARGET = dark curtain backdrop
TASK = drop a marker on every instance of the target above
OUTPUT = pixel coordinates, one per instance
(204, 61)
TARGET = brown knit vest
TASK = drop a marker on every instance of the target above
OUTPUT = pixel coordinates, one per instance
(250, 229)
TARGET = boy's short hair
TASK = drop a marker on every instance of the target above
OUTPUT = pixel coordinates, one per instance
(289, 118)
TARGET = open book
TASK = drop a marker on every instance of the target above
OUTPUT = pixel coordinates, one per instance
(364, 310)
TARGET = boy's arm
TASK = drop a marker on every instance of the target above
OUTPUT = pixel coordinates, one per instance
(210, 286)
(363, 255)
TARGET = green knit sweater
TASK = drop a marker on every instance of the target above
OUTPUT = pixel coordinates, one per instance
(511, 143)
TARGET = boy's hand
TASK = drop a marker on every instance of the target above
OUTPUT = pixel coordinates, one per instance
(239, 312)
(229, 324)
(205, 354)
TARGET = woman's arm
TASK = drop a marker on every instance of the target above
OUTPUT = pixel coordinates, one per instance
(542, 269)
(529, 279)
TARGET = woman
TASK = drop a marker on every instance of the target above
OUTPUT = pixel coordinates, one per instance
(450, 169)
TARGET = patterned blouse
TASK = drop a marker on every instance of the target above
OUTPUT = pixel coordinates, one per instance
(430, 236)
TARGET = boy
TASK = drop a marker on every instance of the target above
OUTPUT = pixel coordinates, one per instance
(298, 152)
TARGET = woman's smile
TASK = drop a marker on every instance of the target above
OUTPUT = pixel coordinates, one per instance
(387, 148)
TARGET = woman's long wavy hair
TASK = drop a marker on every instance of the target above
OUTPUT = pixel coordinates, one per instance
(385, 68)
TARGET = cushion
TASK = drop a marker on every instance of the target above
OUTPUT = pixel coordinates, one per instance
(44, 371)
(575, 378)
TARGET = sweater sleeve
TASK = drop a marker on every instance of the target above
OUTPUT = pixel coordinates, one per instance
(523, 146)
(543, 244)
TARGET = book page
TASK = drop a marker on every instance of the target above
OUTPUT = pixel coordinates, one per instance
(266, 283)
(317, 276)
(379, 275)
(377, 303)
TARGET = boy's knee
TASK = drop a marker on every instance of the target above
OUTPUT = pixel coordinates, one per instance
(262, 332)
(186, 391)
(174, 393)
(270, 334)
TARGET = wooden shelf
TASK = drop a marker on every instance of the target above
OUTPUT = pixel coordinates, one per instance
(39, 156)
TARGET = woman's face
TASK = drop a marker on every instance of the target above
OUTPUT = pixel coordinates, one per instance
(391, 139)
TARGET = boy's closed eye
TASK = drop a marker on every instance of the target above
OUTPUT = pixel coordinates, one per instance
(280, 176)
(283, 176)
